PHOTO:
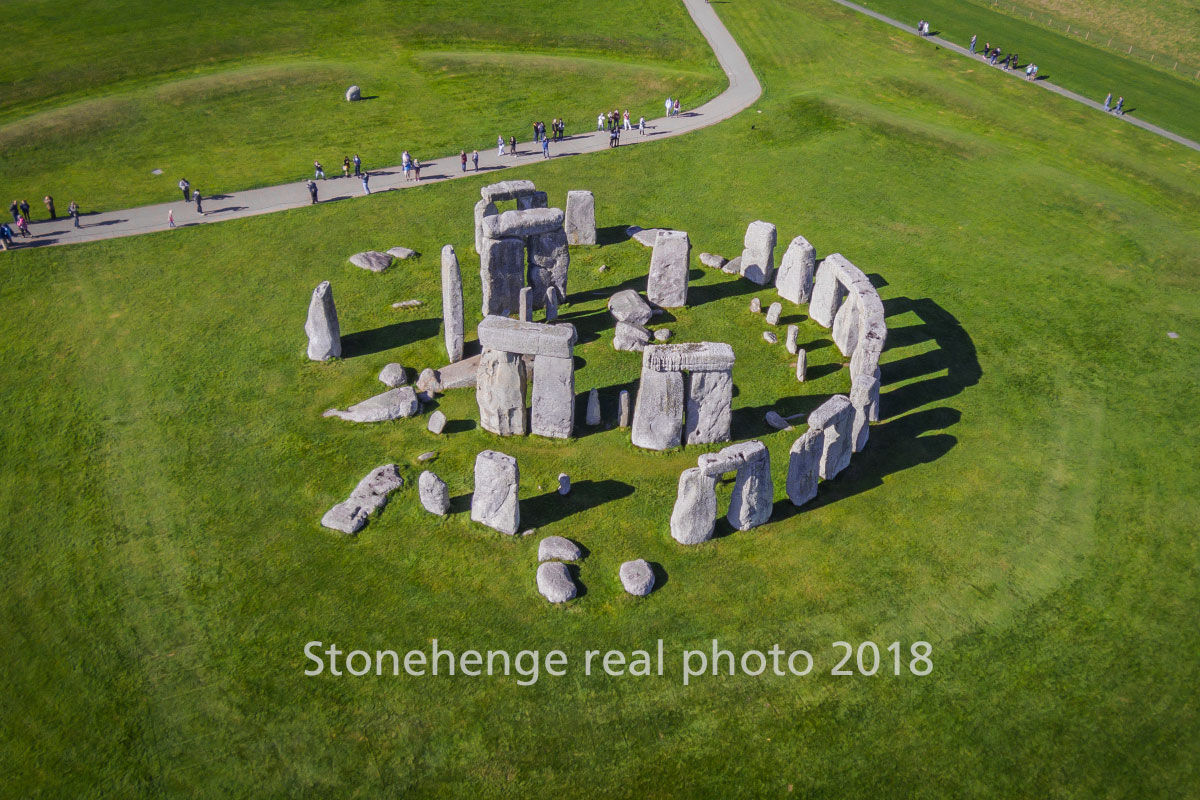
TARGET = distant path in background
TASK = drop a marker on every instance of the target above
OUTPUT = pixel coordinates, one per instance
(743, 90)
(1166, 134)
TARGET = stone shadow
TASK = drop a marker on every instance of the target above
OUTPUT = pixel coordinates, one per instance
(661, 578)
(551, 507)
(362, 343)
(956, 356)
(581, 589)
(612, 234)
(711, 292)
(610, 406)
(749, 422)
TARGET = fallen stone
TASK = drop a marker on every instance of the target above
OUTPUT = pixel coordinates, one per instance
(393, 375)
(564, 484)
(777, 422)
(794, 281)
(324, 333)
(643, 236)
(770, 338)
(713, 261)
(494, 501)
(458, 375)
(694, 517)
(369, 496)
(637, 577)
(662, 335)
(733, 266)
(435, 497)
(402, 253)
(554, 582)
(793, 337)
(453, 325)
(500, 393)
(628, 306)
(580, 221)
(558, 548)
(755, 305)
(353, 93)
(804, 466)
(773, 312)
(624, 415)
(630, 338)
(522, 223)
(428, 384)
(437, 422)
(428, 455)
(408, 304)
(758, 255)
(393, 404)
(670, 264)
(371, 260)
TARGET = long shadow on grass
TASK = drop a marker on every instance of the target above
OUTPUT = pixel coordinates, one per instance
(955, 355)
(537, 512)
(363, 343)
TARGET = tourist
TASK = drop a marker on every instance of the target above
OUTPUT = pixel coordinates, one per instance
(974, 39)
(23, 226)
(627, 126)
(462, 156)
(600, 122)
(921, 28)
(416, 166)
(987, 49)
(311, 185)
(197, 198)
(366, 179)
(670, 104)
(512, 145)
(357, 165)
(186, 188)
(25, 209)
(1013, 64)
(677, 109)
(318, 170)
(49, 201)
(1120, 106)
(405, 166)
(1108, 102)
(995, 56)
(642, 125)
(499, 145)
(545, 147)
(475, 159)
(1029, 71)
(536, 138)
(170, 218)
(73, 212)
(345, 166)
(14, 209)
(6, 235)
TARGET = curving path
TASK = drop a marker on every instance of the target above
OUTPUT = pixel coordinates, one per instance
(743, 90)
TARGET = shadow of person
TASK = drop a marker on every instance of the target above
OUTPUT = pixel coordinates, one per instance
(362, 343)
(548, 508)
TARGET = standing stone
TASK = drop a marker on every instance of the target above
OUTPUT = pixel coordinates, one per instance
(353, 93)
(755, 305)
(553, 397)
(804, 466)
(593, 408)
(753, 491)
(864, 391)
(494, 501)
(836, 417)
(551, 301)
(554, 582)
(845, 326)
(637, 577)
(658, 413)
(793, 336)
(758, 255)
(564, 484)
(694, 517)
(525, 305)
(435, 497)
(324, 334)
(873, 408)
(827, 294)
(669, 265)
(502, 273)
(712, 260)
(709, 407)
(801, 364)
(532, 200)
(549, 261)
(794, 281)
(484, 208)
(452, 304)
(623, 409)
(773, 312)
(500, 393)
(437, 422)
(580, 222)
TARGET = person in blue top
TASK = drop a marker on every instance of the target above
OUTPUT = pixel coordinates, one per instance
(545, 147)
(1108, 102)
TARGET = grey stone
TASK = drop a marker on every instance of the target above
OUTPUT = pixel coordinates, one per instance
(770, 338)
(637, 577)
(324, 333)
(777, 422)
(758, 255)
(371, 260)
(393, 375)
(507, 190)
(712, 260)
(484, 208)
(658, 413)
(804, 466)
(836, 417)
(864, 392)
(408, 304)
(522, 223)
(827, 294)
(794, 281)
(564, 484)
(755, 305)
(402, 253)
(527, 338)
(553, 397)
(452, 304)
(630, 338)
(753, 496)
(662, 335)
(733, 266)
(525, 305)
(458, 375)
(353, 93)
(549, 263)
(801, 364)
(551, 302)
(497, 483)
(500, 393)
(690, 356)
(793, 337)
(558, 548)
(624, 414)
(554, 582)
(437, 422)
(580, 222)
(369, 496)
(709, 407)
(392, 404)
(502, 274)
(845, 326)
(428, 455)
(669, 265)
(435, 496)
(643, 236)
(773, 312)
(628, 306)
(593, 408)
(429, 383)
(533, 200)
(694, 517)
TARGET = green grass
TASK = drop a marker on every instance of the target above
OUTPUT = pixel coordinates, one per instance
(1027, 504)
(233, 100)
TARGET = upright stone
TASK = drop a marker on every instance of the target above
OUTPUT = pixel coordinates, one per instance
(773, 312)
(793, 336)
(753, 491)
(553, 401)
(324, 334)
(846, 326)
(695, 514)
(525, 305)
(435, 497)
(484, 208)
(801, 364)
(658, 413)
(794, 280)
(624, 414)
(758, 254)
(500, 393)
(452, 304)
(551, 301)
(549, 261)
(804, 466)
(864, 392)
(494, 501)
(580, 223)
(593, 408)
(836, 417)
(669, 265)
(709, 407)
(827, 294)
(532, 200)
(502, 274)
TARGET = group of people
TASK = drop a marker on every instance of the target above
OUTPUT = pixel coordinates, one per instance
(992, 56)
(462, 157)
(923, 28)
(558, 129)
(22, 216)
(672, 107)
(1119, 108)
(410, 166)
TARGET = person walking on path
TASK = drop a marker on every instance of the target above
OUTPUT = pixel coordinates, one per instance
(627, 126)
(475, 159)
(535, 133)
(23, 227)
(545, 148)
(346, 167)
(677, 108)
(49, 201)
(416, 166)
(499, 145)
(1108, 102)
(1120, 106)
(197, 198)
(14, 209)
(366, 179)
(974, 39)
(357, 166)
(669, 104)
(311, 185)
(73, 212)
(170, 218)
(318, 170)
(25, 209)
(6, 237)
(462, 156)
(987, 49)
(512, 145)
(600, 122)
(186, 188)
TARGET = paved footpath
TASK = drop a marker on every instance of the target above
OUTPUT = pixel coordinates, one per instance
(1078, 98)
(743, 90)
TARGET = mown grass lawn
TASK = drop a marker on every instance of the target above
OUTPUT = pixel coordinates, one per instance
(1027, 505)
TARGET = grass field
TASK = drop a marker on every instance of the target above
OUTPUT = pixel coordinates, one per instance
(1027, 504)
(233, 100)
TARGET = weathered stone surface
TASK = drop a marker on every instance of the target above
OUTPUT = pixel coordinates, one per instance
(553, 402)
(525, 305)
(437, 422)
(713, 261)
(507, 190)
(864, 392)
(435, 496)
(624, 410)
(770, 338)
(801, 364)
(393, 375)
(558, 548)
(709, 407)
(630, 338)
(353, 93)
(551, 301)
(402, 253)
(755, 305)
(643, 236)
(392, 404)
(564, 484)
(804, 466)
(628, 306)
(593, 408)
(773, 312)
(793, 339)
(758, 255)
(729, 459)
(534, 200)
(694, 516)
(580, 222)
(484, 208)
(371, 260)
(428, 384)
(458, 375)
(733, 266)
(370, 495)
(690, 356)
(845, 326)
(752, 500)
(527, 338)
(428, 455)
(522, 223)
(549, 263)
(662, 335)
(794, 281)
(827, 294)
(453, 326)
(777, 422)
(324, 333)
(494, 501)
(658, 413)
(836, 417)
(669, 265)
(502, 273)
(637, 577)
(406, 304)
(500, 393)
(554, 582)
